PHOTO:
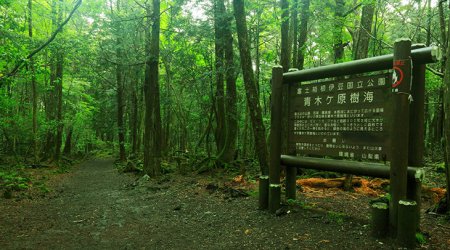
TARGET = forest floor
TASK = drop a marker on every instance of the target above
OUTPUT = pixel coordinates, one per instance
(96, 207)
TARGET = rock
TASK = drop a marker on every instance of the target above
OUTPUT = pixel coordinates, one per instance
(212, 187)
(282, 211)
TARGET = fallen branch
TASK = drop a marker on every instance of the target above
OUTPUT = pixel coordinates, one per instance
(440, 74)
(19, 64)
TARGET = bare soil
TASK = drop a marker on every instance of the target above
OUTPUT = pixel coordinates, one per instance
(96, 207)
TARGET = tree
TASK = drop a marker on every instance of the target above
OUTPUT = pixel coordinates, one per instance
(250, 86)
(285, 47)
(226, 109)
(120, 82)
(447, 116)
(152, 133)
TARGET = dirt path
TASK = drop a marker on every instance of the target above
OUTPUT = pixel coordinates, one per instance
(98, 208)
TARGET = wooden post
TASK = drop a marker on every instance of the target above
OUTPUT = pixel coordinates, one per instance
(263, 192)
(406, 223)
(380, 219)
(401, 85)
(275, 139)
(291, 186)
(416, 133)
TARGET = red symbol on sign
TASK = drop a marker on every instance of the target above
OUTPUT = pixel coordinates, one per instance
(397, 77)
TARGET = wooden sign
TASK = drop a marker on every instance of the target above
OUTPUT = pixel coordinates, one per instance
(346, 118)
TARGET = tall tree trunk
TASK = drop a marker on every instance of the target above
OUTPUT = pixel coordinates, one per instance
(250, 86)
(285, 47)
(360, 51)
(50, 103)
(152, 134)
(229, 124)
(33, 85)
(220, 132)
(338, 46)
(134, 115)
(447, 117)
(120, 86)
(59, 83)
(294, 18)
(361, 45)
(303, 36)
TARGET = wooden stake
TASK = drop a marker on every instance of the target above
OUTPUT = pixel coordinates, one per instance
(291, 186)
(263, 192)
(416, 133)
(401, 98)
(380, 219)
(275, 139)
(407, 221)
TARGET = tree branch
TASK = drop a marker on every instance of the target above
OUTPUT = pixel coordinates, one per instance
(20, 63)
(352, 9)
(435, 72)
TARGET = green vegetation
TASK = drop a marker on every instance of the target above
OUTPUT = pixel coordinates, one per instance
(336, 217)
(420, 238)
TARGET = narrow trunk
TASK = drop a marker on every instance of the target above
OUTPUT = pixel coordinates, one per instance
(120, 90)
(58, 88)
(360, 51)
(227, 153)
(304, 19)
(250, 86)
(33, 85)
(220, 132)
(134, 117)
(447, 119)
(68, 143)
(338, 46)
(152, 134)
(295, 33)
(361, 45)
(285, 50)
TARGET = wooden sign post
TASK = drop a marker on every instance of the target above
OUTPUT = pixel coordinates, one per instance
(275, 139)
(401, 98)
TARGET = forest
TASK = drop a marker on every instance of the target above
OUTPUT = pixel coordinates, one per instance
(184, 86)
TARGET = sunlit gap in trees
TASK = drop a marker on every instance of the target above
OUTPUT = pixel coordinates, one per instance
(196, 9)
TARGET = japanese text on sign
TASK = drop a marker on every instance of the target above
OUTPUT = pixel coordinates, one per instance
(343, 118)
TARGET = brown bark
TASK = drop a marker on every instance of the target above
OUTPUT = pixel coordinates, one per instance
(220, 132)
(33, 85)
(68, 143)
(250, 86)
(285, 47)
(227, 152)
(303, 36)
(294, 18)
(120, 91)
(442, 27)
(152, 133)
(58, 90)
(360, 51)
(361, 45)
(134, 116)
(447, 118)
(338, 45)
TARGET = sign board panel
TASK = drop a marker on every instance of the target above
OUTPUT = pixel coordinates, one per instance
(347, 118)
